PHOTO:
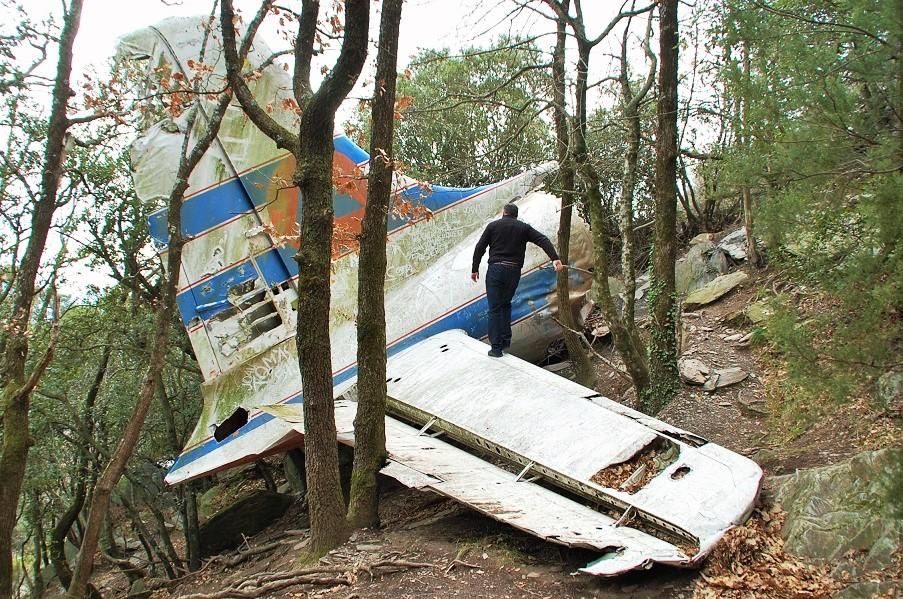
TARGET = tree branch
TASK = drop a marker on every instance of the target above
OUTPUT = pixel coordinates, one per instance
(284, 138)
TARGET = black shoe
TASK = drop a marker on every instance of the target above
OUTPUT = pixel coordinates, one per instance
(495, 353)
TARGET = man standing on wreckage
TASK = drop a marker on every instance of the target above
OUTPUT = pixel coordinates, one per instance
(507, 239)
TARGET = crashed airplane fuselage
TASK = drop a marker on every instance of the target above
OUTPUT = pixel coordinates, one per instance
(558, 442)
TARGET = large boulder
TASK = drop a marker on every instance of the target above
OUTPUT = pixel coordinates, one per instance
(851, 508)
(692, 270)
(714, 290)
(246, 517)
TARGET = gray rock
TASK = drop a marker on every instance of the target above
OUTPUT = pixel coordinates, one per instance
(692, 371)
(890, 388)
(295, 473)
(757, 312)
(854, 506)
(691, 271)
(139, 590)
(754, 406)
(729, 376)
(703, 238)
(714, 290)
(719, 262)
(867, 590)
(734, 244)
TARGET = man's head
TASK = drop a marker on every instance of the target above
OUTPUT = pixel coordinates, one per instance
(510, 210)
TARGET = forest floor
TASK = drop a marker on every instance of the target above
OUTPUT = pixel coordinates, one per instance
(442, 550)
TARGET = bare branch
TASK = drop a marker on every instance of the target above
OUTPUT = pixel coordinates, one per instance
(284, 138)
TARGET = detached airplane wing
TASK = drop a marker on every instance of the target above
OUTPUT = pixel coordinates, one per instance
(569, 465)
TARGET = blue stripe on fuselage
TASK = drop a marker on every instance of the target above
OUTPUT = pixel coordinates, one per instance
(210, 297)
(216, 206)
(215, 302)
(203, 211)
(532, 296)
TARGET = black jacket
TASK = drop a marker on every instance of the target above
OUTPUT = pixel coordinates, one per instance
(507, 239)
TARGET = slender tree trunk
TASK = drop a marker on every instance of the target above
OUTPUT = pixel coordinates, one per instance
(100, 500)
(108, 540)
(314, 180)
(313, 150)
(192, 526)
(583, 367)
(186, 495)
(16, 396)
(70, 516)
(370, 421)
(752, 252)
(662, 295)
(37, 587)
(166, 555)
(629, 346)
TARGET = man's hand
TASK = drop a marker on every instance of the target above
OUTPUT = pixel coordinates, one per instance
(474, 276)
(558, 265)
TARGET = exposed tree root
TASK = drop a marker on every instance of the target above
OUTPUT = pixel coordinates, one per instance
(244, 555)
(332, 575)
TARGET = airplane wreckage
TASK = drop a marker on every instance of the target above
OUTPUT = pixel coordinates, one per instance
(565, 463)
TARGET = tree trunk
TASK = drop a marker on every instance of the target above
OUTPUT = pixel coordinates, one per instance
(103, 490)
(314, 179)
(583, 367)
(662, 295)
(191, 526)
(370, 421)
(163, 557)
(626, 340)
(752, 252)
(186, 495)
(16, 397)
(70, 516)
(37, 587)
(628, 345)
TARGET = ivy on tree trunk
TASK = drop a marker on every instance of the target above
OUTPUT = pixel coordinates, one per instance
(662, 294)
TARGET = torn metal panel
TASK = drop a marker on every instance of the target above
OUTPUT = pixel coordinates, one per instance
(510, 409)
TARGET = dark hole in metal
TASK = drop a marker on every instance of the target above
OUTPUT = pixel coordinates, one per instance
(680, 472)
(238, 419)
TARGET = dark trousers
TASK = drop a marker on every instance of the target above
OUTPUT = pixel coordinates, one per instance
(501, 283)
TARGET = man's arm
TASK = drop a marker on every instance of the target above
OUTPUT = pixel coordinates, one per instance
(534, 236)
(478, 252)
